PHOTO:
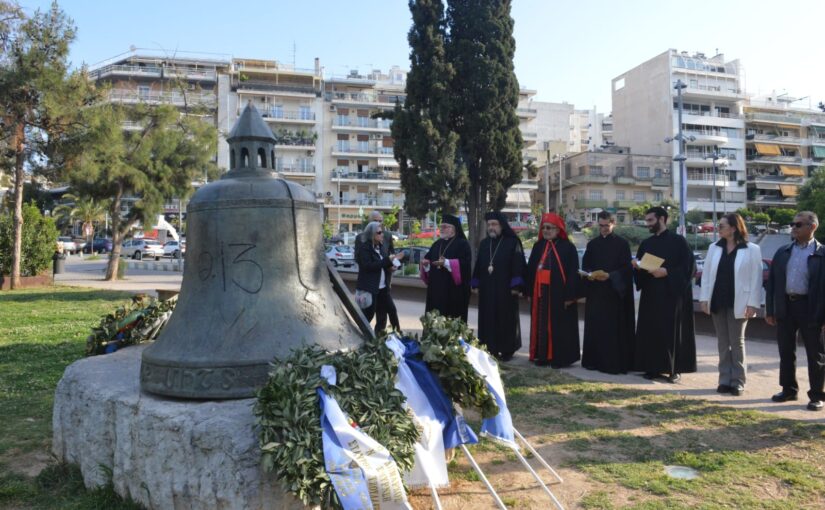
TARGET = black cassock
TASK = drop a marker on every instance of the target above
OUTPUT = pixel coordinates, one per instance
(665, 340)
(499, 326)
(554, 328)
(449, 291)
(609, 317)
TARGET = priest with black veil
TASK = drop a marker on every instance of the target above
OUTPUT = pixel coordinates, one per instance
(665, 339)
(609, 317)
(552, 280)
(446, 270)
(498, 276)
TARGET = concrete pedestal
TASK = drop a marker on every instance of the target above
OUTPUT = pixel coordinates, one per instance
(164, 453)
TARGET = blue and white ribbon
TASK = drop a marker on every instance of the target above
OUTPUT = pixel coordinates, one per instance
(362, 471)
(430, 468)
(499, 427)
(456, 430)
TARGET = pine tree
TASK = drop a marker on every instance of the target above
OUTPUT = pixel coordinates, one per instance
(484, 96)
(425, 147)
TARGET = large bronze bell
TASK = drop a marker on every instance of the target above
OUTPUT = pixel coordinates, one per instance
(255, 284)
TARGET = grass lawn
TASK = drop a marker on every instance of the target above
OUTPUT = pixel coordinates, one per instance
(610, 443)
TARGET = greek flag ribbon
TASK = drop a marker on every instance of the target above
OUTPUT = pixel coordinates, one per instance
(430, 468)
(456, 430)
(363, 473)
(499, 427)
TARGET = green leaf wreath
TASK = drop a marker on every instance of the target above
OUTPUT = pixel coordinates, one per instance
(134, 323)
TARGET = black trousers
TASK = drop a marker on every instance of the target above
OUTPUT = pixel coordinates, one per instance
(383, 306)
(798, 319)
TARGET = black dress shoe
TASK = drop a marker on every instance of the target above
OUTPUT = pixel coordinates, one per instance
(673, 378)
(815, 405)
(723, 388)
(784, 396)
(649, 376)
(736, 390)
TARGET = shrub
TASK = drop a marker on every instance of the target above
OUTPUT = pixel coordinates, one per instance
(39, 241)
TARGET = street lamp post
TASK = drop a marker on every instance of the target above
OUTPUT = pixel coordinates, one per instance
(680, 157)
(561, 181)
(547, 178)
(714, 156)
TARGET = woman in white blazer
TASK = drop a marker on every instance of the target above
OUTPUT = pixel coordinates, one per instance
(732, 294)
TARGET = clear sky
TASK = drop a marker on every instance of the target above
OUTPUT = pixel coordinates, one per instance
(567, 51)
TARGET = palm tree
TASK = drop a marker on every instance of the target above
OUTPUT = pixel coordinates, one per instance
(85, 210)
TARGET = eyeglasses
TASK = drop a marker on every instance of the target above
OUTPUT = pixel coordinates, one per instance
(379, 232)
(550, 227)
(799, 224)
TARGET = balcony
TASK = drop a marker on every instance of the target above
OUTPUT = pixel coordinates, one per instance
(344, 174)
(155, 97)
(361, 124)
(264, 87)
(624, 204)
(660, 182)
(364, 98)
(526, 112)
(191, 74)
(715, 114)
(773, 201)
(286, 116)
(780, 118)
(707, 137)
(305, 167)
(126, 70)
(726, 90)
(367, 151)
(773, 159)
(371, 202)
(624, 179)
(590, 179)
(795, 140)
(590, 203)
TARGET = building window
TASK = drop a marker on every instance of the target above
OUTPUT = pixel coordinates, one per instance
(639, 196)
(596, 170)
(596, 194)
(643, 172)
(305, 113)
(582, 170)
(619, 171)
(143, 91)
(657, 196)
(277, 111)
(619, 194)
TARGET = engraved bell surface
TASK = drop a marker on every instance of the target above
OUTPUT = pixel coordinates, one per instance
(255, 283)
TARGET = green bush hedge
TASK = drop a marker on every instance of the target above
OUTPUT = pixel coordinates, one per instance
(39, 241)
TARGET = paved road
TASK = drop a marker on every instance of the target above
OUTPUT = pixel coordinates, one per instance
(762, 356)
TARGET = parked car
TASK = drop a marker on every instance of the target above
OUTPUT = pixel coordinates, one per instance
(174, 249)
(414, 254)
(785, 229)
(98, 245)
(396, 236)
(705, 228)
(69, 246)
(342, 255)
(425, 234)
(766, 270)
(138, 248)
(347, 238)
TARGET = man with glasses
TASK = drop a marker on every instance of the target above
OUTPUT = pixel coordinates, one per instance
(794, 302)
(609, 317)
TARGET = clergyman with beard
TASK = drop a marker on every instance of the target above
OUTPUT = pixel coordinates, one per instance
(446, 270)
(498, 276)
(665, 340)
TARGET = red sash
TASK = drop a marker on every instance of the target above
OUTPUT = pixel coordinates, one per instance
(543, 278)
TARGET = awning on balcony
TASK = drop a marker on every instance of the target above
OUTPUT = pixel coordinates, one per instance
(387, 162)
(767, 185)
(516, 197)
(819, 152)
(791, 171)
(767, 150)
(788, 191)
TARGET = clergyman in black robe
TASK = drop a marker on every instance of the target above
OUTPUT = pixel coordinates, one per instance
(499, 277)
(446, 270)
(665, 339)
(552, 280)
(609, 317)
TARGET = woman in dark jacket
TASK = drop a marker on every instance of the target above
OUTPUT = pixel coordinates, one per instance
(374, 269)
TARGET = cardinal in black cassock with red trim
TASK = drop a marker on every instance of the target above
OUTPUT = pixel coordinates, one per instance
(498, 276)
(552, 280)
(446, 270)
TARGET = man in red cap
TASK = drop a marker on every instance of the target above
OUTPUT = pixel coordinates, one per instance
(552, 280)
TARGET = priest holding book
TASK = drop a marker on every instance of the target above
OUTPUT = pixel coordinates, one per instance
(664, 268)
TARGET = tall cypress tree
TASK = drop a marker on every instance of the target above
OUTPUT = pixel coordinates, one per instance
(484, 98)
(425, 146)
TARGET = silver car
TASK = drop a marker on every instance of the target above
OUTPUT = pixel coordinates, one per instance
(342, 255)
(69, 246)
(139, 248)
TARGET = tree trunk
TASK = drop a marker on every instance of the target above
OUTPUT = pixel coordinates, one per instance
(475, 215)
(19, 176)
(117, 238)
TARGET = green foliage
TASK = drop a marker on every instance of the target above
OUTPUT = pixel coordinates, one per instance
(391, 218)
(327, 226)
(38, 246)
(290, 420)
(637, 212)
(135, 323)
(443, 353)
(425, 144)
(761, 218)
(695, 216)
(485, 93)
(782, 216)
(812, 198)
(86, 210)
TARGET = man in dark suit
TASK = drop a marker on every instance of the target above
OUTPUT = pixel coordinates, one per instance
(795, 302)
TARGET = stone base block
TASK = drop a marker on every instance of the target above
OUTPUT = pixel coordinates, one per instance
(164, 453)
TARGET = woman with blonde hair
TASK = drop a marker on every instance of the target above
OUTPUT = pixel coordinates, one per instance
(732, 293)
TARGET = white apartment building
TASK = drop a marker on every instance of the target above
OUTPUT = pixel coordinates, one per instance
(521, 196)
(785, 142)
(645, 113)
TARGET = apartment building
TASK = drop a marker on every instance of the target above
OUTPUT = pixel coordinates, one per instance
(361, 173)
(645, 113)
(612, 179)
(521, 196)
(290, 101)
(784, 144)
(185, 80)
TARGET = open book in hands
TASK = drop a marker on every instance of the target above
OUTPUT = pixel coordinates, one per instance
(650, 262)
